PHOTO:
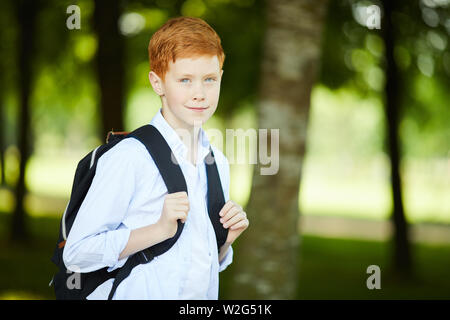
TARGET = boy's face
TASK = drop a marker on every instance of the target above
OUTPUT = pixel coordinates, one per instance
(190, 90)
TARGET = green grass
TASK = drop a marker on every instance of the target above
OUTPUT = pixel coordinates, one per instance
(26, 268)
(336, 269)
(328, 268)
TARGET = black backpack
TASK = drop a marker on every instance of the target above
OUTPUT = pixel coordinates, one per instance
(173, 178)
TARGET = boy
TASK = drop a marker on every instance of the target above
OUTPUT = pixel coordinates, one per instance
(132, 208)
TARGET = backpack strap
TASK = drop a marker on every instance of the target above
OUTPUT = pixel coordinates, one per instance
(216, 200)
(170, 171)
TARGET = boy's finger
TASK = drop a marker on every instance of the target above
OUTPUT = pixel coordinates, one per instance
(226, 207)
(183, 208)
(230, 214)
(181, 216)
(243, 224)
(180, 194)
(233, 220)
(179, 201)
(182, 200)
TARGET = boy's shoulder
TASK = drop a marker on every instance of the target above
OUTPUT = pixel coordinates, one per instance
(129, 150)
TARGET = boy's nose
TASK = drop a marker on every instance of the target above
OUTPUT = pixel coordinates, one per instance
(198, 98)
(199, 93)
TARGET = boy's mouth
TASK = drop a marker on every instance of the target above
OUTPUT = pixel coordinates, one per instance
(197, 109)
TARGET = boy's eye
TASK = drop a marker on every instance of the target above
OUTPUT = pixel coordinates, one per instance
(184, 80)
(210, 79)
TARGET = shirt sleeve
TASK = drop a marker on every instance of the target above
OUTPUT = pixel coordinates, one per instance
(98, 236)
(226, 261)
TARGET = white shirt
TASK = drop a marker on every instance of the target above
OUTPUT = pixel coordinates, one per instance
(128, 192)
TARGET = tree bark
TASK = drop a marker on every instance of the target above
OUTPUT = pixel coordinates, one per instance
(402, 250)
(110, 65)
(265, 265)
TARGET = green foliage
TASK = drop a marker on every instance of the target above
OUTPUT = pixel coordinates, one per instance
(353, 57)
(65, 96)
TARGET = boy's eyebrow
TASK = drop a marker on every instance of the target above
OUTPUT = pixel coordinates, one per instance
(215, 74)
(207, 75)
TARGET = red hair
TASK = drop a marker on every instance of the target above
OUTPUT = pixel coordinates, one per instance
(182, 37)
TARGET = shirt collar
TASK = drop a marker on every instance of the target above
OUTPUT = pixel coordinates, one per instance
(174, 141)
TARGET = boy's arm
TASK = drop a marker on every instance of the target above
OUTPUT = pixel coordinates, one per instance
(176, 206)
(225, 256)
(223, 251)
(143, 238)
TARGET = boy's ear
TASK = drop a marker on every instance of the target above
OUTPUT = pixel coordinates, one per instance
(156, 83)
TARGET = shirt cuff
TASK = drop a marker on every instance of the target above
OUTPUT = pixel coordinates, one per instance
(226, 261)
(116, 241)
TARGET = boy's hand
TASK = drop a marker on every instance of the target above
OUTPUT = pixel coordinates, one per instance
(234, 219)
(176, 206)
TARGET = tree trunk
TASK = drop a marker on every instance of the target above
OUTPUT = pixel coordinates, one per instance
(265, 265)
(110, 65)
(402, 251)
(2, 138)
(26, 16)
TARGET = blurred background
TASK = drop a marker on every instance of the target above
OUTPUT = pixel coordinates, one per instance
(359, 90)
